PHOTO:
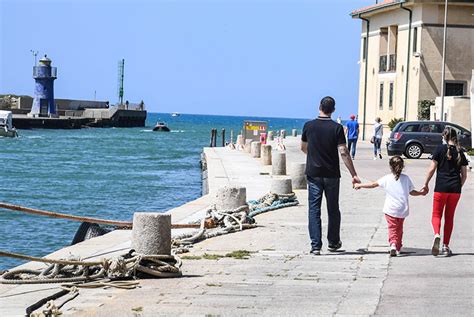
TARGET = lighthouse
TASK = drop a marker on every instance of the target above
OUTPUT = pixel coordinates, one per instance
(43, 102)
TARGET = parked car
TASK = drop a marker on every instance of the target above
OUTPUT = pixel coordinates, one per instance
(413, 138)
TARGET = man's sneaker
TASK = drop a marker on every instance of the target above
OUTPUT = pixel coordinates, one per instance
(315, 252)
(334, 247)
(435, 247)
(393, 250)
(446, 251)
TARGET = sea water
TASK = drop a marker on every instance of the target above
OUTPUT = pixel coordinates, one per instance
(107, 173)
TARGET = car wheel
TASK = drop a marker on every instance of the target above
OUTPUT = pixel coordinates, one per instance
(414, 151)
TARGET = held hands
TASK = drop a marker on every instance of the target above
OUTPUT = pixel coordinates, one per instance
(424, 190)
(357, 186)
(355, 180)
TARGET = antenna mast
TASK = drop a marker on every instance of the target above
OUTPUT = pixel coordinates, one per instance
(121, 66)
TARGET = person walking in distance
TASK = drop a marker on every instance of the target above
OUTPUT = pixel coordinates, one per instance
(377, 138)
(352, 131)
(323, 140)
(450, 165)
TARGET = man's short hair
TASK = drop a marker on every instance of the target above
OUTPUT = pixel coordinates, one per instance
(328, 105)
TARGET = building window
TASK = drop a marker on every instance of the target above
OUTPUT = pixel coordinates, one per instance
(364, 49)
(455, 89)
(381, 97)
(415, 40)
(390, 97)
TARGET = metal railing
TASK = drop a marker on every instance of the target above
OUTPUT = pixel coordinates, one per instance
(383, 64)
(392, 66)
(44, 72)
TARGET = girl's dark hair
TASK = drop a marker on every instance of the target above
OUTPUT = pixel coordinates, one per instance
(449, 134)
(396, 166)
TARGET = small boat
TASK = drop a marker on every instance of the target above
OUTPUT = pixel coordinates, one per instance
(175, 114)
(161, 126)
(6, 125)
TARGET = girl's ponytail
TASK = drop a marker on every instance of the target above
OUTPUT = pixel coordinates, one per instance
(396, 165)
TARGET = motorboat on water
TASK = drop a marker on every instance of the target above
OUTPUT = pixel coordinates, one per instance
(175, 114)
(161, 126)
(6, 125)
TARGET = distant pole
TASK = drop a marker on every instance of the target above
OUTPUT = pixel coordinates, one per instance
(35, 53)
(443, 65)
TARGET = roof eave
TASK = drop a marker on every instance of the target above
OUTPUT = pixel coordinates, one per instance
(382, 7)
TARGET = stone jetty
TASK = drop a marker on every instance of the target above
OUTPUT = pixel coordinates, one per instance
(277, 276)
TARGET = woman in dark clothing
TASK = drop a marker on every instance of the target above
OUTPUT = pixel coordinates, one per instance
(450, 163)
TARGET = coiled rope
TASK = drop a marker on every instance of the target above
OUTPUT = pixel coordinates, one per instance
(76, 270)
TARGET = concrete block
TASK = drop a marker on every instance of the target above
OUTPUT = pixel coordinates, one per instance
(294, 132)
(298, 175)
(255, 149)
(151, 233)
(281, 185)
(230, 197)
(247, 146)
(267, 154)
(278, 163)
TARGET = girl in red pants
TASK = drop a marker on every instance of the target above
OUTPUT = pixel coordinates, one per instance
(450, 163)
(398, 188)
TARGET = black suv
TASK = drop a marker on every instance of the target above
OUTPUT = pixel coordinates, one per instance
(413, 138)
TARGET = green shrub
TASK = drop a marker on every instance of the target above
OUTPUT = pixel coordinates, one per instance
(394, 122)
(424, 107)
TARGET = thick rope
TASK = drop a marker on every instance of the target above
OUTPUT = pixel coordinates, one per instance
(69, 271)
(125, 224)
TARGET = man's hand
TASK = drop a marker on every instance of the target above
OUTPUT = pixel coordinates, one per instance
(355, 180)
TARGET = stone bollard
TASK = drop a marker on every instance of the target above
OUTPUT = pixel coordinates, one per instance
(270, 136)
(247, 146)
(255, 149)
(278, 163)
(281, 185)
(151, 233)
(298, 175)
(230, 197)
(267, 154)
(283, 134)
(294, 132)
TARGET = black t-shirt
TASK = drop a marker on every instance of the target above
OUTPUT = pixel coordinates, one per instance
(323, 136)
(448, 173)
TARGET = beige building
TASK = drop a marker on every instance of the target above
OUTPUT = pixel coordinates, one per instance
(401, 57)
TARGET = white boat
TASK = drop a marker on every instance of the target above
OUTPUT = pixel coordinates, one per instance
(175, 114)
(6, 124)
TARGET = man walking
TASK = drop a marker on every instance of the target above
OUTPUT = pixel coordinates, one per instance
(322, 140)
(352, 130)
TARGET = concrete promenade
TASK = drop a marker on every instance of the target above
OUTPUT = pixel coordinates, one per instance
(280, 277)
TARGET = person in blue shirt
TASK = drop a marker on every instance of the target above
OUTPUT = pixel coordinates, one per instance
(352, 131)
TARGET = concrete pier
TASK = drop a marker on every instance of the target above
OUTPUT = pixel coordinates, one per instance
(280, 277)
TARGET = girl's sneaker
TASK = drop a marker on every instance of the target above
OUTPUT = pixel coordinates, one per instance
(393, 250)
(446, 251)
(435, 247)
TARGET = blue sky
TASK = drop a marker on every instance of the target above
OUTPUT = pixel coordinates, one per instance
(259, 57)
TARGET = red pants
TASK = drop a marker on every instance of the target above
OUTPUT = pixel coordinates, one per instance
(446, 202)
(395, 231)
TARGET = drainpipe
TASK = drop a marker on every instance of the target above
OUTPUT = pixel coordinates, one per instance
(408, 59)
(366, 73)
